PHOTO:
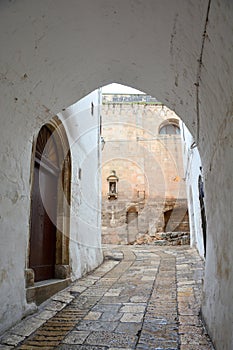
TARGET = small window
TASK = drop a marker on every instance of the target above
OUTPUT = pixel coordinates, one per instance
(169, 129)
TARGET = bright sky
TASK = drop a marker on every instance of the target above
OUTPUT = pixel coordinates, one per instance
(120, 89)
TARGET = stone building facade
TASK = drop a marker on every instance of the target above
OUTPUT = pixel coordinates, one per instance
(143, 188)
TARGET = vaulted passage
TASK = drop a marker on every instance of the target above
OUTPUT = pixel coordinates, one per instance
(53, 54)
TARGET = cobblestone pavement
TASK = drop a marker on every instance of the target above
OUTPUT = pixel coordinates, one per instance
(141, 297)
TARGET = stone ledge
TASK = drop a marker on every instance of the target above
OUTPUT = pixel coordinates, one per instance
(43, 290)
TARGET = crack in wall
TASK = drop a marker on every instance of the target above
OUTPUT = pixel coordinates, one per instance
(197, 83)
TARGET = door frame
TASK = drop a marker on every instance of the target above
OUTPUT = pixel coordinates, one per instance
(62, 260)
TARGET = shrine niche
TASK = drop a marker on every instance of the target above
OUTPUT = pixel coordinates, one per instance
(112, 185)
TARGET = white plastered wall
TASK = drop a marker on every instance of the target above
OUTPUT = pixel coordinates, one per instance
(82, 123)
(192, 165)
(55, 52)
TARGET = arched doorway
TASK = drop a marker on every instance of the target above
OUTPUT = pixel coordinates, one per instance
(176, 220)
(50, 204)
(202, 208)
(44, 196)
(132, 224)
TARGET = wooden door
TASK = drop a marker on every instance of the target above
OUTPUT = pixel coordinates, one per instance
(44, 207)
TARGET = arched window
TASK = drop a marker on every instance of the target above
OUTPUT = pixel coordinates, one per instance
(169, 127)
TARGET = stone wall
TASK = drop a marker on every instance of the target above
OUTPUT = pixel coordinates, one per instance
(164, 238)
(149, 219)
(151, 195)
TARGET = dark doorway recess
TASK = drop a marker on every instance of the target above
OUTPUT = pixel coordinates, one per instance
(44, 207)
(202, 207)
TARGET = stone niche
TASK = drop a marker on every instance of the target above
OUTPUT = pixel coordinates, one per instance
(112, 180)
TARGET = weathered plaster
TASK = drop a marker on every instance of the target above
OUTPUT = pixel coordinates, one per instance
(192, 164)
(54, 53)
(81, 122)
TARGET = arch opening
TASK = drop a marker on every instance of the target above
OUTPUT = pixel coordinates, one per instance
(133, 118)
(156, 46)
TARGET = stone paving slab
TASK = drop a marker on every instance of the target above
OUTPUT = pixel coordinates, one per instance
(76, 337)
(141, 297)
(111, 339)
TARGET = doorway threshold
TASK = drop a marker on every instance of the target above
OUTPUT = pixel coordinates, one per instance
(43, 290)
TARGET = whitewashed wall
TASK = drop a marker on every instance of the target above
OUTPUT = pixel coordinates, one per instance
(16, 164)
(192, 165)
(82, 124)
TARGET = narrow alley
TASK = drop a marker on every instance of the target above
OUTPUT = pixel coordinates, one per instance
(141, 297)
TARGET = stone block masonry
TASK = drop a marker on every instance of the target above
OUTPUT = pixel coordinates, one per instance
(151, 195)
(164, 238)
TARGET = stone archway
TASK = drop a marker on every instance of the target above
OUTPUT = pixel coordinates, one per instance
(180, 51)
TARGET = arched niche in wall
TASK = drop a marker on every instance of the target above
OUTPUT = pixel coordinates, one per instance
(176, 220)
(132, 224)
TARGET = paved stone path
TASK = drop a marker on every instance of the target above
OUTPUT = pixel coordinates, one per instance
(141, 297)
